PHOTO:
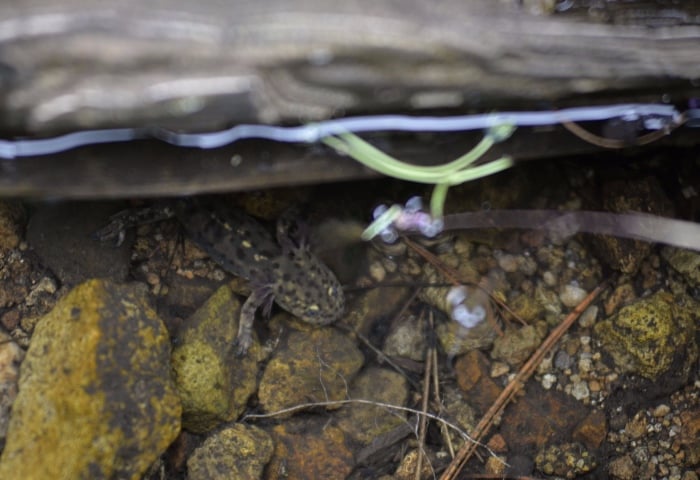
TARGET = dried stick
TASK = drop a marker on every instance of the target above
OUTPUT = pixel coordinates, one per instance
(512, 388)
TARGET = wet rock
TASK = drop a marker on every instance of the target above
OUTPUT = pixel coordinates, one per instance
(458, 410)
(624, 196)
(622, 295)
(11, 214)
(239, 451)
(457, 340)
(685, 262)
(364, 422)
(592, 430)
(516, 345)
(15, 278)
(95, 395)
(409, 463)
(646, 336)
(214, 384)
(363, 311)
(568, 460)
(526, 308)
(474, 379)
(572, 295)
(11, 356)
(61, 234)
(407, 339)
(309, 366)
(622, 468)
(309, 448)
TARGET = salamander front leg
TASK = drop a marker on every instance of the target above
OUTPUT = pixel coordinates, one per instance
(260, 296)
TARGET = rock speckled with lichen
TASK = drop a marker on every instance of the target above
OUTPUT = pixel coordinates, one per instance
(214, 384)
(686, 262)
(309, 366)
(238, 451)
(648, 335)
(643, 195)
(366, 422)
(95, 395)
(10, 357)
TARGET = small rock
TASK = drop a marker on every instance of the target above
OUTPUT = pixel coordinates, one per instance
(407, 468)
(407, 339)
(568, 460)
(661, 410)
(549, 278)
(11, 356)
(622, 468)
(526, 308)
(508, 263)
(309, 366)
(548, 381)
(10, 229)
(498, 369)
(622, 295)
(495, 466)
(101, 359)
(377, 271)
(580, 391)
(585, 364)
(516, 345)
(213, 387)
(588, 317)
(637, 426)
(456, 408)
(456, 339)
(362, 422)
(685, 262)
(572, 295)
(239, 451)
(46, 286)
(562, 360)
(592, 430)
(309, 448)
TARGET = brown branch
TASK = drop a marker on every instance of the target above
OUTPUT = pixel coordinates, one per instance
(513, 387)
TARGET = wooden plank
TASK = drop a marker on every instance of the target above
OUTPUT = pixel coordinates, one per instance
(67, 65)
(75, 64)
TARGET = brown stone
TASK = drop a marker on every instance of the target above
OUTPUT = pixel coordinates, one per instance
(591, 431)
(474, 379)
(309, 448)
(622, 468)
(497, 443)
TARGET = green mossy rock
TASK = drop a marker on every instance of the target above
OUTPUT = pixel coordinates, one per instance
(647, 336)
(239, 451)
(214, 384)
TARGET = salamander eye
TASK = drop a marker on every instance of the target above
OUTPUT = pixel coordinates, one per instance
(312, 311)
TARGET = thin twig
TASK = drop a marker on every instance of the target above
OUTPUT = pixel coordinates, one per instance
(360, 401)
(422, 426)
(514, 386)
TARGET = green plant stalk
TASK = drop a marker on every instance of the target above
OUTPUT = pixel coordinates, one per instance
(375, 159)
(437, 199)
(443, 176)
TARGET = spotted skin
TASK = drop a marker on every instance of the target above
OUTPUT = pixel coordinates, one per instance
(283, 271)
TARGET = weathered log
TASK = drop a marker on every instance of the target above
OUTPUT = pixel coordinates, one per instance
(68, 65)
